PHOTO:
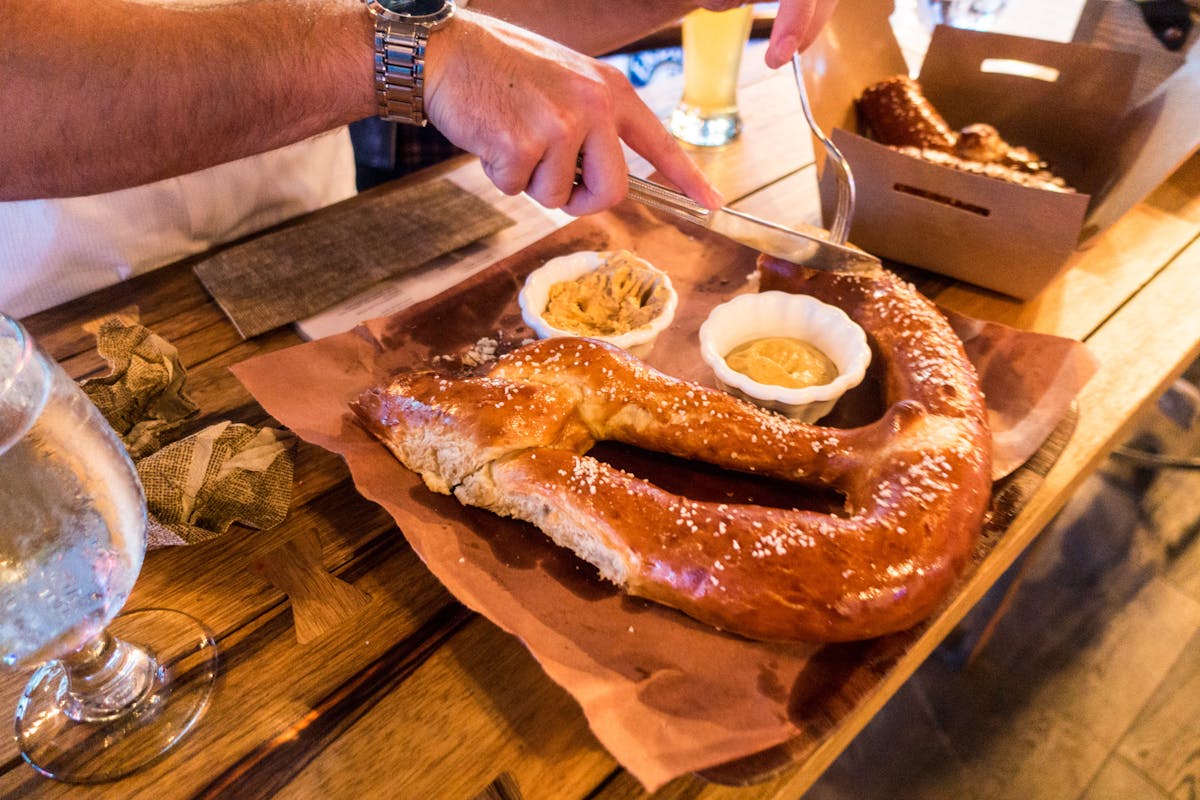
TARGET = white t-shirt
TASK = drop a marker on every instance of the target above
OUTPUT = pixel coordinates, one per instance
(52, 251)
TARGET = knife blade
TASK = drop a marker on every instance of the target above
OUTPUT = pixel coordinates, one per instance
(806, 244)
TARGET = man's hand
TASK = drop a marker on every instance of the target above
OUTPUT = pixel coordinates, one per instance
(797, 24)
(530, 108)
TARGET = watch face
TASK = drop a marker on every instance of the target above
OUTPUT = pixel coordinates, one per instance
(413, 8)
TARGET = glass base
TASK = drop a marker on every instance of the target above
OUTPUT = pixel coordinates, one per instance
(690, 124)
(61, 742)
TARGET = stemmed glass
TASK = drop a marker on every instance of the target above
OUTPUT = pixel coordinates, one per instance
(72, 540)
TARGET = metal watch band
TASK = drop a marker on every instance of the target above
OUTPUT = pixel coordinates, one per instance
(400, 71)
(400, 60)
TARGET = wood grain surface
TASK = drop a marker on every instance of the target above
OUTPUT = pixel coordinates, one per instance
(348, 671)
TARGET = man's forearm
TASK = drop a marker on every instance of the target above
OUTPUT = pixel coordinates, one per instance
(124, 93)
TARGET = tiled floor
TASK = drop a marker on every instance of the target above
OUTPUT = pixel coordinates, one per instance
(1090, 687)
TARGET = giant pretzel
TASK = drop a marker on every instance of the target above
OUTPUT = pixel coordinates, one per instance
(916, 482)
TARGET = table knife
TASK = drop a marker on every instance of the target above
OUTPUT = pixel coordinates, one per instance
(807, 245)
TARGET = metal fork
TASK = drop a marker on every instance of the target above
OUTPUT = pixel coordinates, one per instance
(839, 230)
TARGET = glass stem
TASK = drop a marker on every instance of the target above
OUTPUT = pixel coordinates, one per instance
(106, 677)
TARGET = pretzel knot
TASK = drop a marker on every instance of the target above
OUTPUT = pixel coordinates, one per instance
(916, 482)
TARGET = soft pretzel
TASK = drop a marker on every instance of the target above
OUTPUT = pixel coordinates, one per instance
(916, 482)
(896, 112)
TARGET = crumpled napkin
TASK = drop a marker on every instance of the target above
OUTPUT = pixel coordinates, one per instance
(196, 486)
(142, 397)
(199, 486)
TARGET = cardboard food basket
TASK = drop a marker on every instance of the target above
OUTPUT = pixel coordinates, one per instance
(1070, 103)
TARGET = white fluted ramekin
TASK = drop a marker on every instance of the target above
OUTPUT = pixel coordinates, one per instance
(754, 316)
(536, 293)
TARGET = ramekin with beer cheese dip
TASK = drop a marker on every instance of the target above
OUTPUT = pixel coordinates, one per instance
(789, 353)
(614, 296)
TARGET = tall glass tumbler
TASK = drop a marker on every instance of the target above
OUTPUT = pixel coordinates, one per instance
(112, 692)
(713, 43)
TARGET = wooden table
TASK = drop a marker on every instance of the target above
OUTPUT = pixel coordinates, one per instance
(408, 694)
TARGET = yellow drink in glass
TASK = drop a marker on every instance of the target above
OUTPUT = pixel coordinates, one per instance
(713, 42)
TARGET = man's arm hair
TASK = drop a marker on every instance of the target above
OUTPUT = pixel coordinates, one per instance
(121, 93)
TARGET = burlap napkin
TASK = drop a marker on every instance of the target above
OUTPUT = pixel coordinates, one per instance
(339, 251)
(197, 486)
(142, 397)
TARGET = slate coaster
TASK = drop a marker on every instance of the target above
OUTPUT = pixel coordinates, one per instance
(295, 272)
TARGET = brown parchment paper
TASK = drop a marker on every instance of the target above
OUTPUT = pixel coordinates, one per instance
(665, 695)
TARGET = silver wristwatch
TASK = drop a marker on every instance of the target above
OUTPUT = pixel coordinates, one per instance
(401, 30)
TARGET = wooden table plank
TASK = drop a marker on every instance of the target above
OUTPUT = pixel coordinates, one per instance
(464, 702)
(473, 697)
